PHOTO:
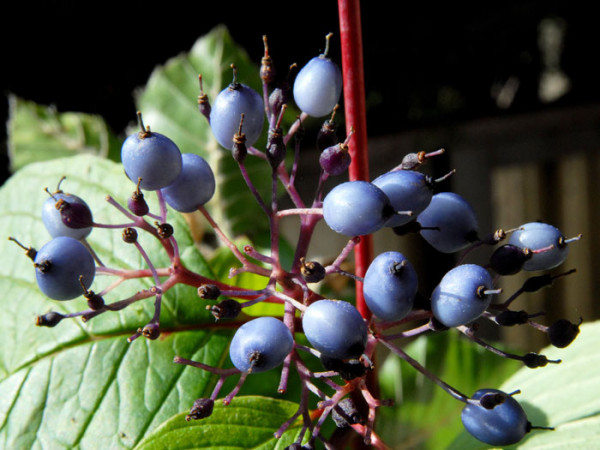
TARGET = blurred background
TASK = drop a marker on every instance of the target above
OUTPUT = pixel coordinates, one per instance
(508, 89)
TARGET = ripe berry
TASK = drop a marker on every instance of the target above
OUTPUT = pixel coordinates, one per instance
(335, 328)
(152, 157)
(59, 265)
(462, 295)
(227, 110)
(504, 424)
(194, 186)
(356, 208)
(539, 235)
(390, 286)
(260, 345)
(449, 223)
(318, 85)
(407, 190)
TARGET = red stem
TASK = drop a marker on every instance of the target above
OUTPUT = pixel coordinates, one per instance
(355, 111)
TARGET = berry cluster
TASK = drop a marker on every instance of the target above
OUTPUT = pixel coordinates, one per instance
(339, 337)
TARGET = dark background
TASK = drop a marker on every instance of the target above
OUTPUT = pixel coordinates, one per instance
(425, 63)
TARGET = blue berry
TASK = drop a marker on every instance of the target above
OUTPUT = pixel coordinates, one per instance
(335, 328)
(194, 186)
(227, 110)
(407, 190)
(59, 265)
(539, 235)
(452, 221)
(260, 345)
(61, 214)
(390, 286)
(461, 296)
(504, 424)
(318, 85)
(151, 156)
(355, 208)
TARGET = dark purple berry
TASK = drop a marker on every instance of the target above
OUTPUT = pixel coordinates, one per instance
(130, 235)
(75, 215)
(209, 291)
(136, 203)
(509, 318)
(563, 332)
(311, 271)
(50, 319)
(348, 370)
(336, 159)
(151, 331)
(164, 230)
(327, 137)
(226, 309)
(275, 147)
(202, 408)
(509, 259)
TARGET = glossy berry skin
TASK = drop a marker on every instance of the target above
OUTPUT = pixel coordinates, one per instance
(318, 86)
(335, 328)
(355, 208)
(505, 424)
(227, 110)
(456, 221)
(260, 345)
(407, 190)
(538, 235)
(457, 299)
(59, 263)
(153, 157)
(390, 286)
(52, 220)
(194, 186)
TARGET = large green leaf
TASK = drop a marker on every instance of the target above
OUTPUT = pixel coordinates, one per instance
(248, 422)
(83, 384)
(565, 396)
(41, 133)
(169, 105)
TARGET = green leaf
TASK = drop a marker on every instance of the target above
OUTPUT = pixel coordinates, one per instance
(565, 396)
(248, 422)
(169, 105)
(40, 133)
(79, 384)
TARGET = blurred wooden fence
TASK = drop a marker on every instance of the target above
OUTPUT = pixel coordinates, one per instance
(513, 170)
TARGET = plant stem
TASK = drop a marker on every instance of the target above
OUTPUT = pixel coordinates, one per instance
(355, 112)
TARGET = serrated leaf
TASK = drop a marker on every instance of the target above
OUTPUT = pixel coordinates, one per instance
(40, 133)
(248, 422)
(88, 372)
(169, 105)
(565, 396)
